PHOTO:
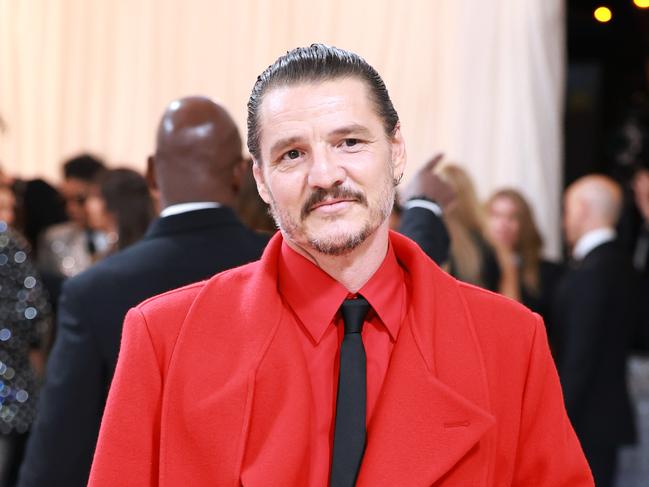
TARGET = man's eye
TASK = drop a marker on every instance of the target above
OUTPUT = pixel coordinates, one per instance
(351, 142)
(292, 154)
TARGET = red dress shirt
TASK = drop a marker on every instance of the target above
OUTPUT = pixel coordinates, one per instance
(315, 299)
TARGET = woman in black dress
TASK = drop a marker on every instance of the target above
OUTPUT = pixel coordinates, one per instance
(526, 276)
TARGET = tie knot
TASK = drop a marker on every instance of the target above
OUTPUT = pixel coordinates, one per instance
(354, 311)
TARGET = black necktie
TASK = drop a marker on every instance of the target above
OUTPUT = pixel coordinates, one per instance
(349, 435)
(90, 242)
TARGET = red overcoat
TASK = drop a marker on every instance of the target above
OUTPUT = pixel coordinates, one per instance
(211, 389)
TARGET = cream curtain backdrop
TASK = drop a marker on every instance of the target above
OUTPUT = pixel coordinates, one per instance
(480, 81)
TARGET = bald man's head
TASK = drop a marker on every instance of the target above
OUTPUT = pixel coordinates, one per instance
(198, 153)
(590, 203)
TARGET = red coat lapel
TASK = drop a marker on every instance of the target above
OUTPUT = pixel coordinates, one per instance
(434, 407)
(210, 390)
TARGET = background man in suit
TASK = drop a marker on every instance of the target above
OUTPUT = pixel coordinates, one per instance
(594, 316)
(195, 167)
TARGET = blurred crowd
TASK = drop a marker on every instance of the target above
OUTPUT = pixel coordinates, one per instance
(594, 302)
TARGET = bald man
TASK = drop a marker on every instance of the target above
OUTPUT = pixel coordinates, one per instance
(594, 315)
(195, 168)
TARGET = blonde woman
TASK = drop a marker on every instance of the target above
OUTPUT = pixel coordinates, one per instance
(472, 259)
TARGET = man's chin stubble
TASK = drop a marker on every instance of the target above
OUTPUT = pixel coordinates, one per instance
(342, 245)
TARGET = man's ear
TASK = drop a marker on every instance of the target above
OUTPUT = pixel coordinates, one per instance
(262, 189)
(239, 174)
(152, 183)
(397, 153)
(150, 174)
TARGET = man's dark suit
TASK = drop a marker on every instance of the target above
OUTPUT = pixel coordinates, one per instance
(177, 250)
(593, 317)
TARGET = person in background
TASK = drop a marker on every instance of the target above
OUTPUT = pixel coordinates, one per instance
(39, 206)
(425, 198)
(120, 207)
(593, 316)
(24, 322)
(6, 179)
(472, 259)
(7, 204)
(24, 319)
(195, 169)
(526, 276)
(69, 248)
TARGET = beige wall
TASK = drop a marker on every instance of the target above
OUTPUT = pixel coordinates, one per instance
(481, 81)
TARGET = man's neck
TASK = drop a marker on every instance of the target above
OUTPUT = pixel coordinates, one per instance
(355, 268)
(188, 206)
(591, 239)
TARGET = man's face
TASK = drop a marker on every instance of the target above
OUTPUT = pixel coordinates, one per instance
(75, 192)
(328, 167)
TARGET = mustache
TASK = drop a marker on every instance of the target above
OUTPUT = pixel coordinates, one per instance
(337, 192)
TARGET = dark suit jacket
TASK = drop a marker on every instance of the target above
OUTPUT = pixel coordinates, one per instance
(593, 316)
(550, 274)
(176, 250)
(428, 230)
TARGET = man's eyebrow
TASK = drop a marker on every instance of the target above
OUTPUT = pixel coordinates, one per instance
(282, 143)
(355, 128)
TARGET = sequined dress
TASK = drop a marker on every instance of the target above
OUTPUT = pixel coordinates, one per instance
(24, 318)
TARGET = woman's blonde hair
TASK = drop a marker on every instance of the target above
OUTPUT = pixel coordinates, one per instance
(464, 220)
(529, 243)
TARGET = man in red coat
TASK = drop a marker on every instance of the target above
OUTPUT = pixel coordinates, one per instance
(344, 356)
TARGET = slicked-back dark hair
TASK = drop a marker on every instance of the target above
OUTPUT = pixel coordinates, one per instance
(84, 166)
(315, 63)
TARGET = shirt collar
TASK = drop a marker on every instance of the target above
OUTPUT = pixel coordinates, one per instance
(185, 207)
(315, 296)
(592, 239)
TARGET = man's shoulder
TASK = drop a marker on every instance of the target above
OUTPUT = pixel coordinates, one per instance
(605, 267)
(496, 315)
(166, 316)
(177, 302)
(170, 303)
(147, 268)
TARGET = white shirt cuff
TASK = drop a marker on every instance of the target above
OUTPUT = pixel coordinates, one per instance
(429, 205)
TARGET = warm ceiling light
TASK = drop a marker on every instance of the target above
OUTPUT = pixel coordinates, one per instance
(603, 14)
(641, 3)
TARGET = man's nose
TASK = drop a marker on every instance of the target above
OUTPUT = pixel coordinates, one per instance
(325, 171)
